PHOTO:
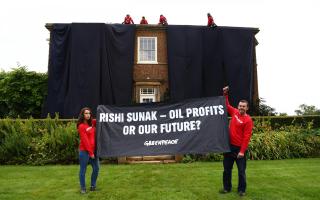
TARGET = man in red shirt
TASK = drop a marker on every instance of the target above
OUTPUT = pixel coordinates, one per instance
(143, 21)
(128, 20)
(240, 129)
(163, 20)
(210, 21)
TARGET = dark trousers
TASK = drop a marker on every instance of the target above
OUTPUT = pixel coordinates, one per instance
(228, 161)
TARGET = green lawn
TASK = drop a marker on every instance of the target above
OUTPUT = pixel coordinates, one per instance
(281, 179)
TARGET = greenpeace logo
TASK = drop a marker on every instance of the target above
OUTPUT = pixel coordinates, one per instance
(160, 142)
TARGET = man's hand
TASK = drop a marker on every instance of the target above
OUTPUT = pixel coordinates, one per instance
(92, 157)
(225, 90)
(240, 155)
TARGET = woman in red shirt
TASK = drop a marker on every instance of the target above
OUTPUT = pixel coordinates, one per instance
(87, 129)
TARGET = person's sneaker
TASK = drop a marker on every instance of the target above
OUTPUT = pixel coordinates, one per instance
(241, 194)
(83, 191)
(92, 188)
(223, 191)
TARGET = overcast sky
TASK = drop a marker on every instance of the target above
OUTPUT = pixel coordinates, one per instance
(288, 53)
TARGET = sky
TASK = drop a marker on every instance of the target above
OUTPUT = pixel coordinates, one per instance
(288, 54)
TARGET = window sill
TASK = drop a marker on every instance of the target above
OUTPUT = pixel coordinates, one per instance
(147, 63)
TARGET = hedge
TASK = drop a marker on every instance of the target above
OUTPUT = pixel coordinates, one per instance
(278, 122)
(38, 142)
(55, 141)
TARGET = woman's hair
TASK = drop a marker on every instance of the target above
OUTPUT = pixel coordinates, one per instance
(81, 117)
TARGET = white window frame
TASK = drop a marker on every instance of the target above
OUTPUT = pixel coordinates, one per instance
(148, 95)
(155, 56)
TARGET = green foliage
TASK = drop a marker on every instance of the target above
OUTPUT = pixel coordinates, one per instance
(262, 109)
(22, 93)
(50, 141)
(38, 142)
(58, 143)
(274, 145)
(280, 122)
(307, 110)
(283, 145)
(189, 158)
(14, 142)
(272, 142)
(277, 138)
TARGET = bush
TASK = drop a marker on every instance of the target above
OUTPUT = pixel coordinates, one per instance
(22, 93)
(270, 142)
(278, 122)
(38, 142)
(55, 141)
(14, 143)
(282, 145)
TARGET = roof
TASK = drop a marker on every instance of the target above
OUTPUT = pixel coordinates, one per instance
(162, 27)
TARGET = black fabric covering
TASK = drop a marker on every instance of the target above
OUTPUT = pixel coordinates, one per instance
(202, 60)
(89, 64)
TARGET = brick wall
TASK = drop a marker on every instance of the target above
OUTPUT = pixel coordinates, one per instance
(151, 75)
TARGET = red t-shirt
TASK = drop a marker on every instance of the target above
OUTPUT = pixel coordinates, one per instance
(128, 20)
(210, 21)
(143, 21)
(162, 20)
(240, 128)
(87, 137)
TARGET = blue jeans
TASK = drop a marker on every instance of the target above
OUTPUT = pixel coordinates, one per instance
(228, 161)
(84, 159)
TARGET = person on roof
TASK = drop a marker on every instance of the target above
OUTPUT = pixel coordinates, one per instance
(163, 20)
(143, 20)
(211, 21)
(128, 20)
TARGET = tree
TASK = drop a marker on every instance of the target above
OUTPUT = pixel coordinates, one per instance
(22, 93)
(307, 110)
(263, 110)
(3, 106)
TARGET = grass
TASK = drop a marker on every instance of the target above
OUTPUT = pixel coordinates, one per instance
(281, 179)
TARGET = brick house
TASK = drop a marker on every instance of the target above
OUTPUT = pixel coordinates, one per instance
(150, 75)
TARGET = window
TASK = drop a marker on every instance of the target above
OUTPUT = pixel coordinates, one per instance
(147, 91)
(147, 50)
(147, 95)
(147, 100)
